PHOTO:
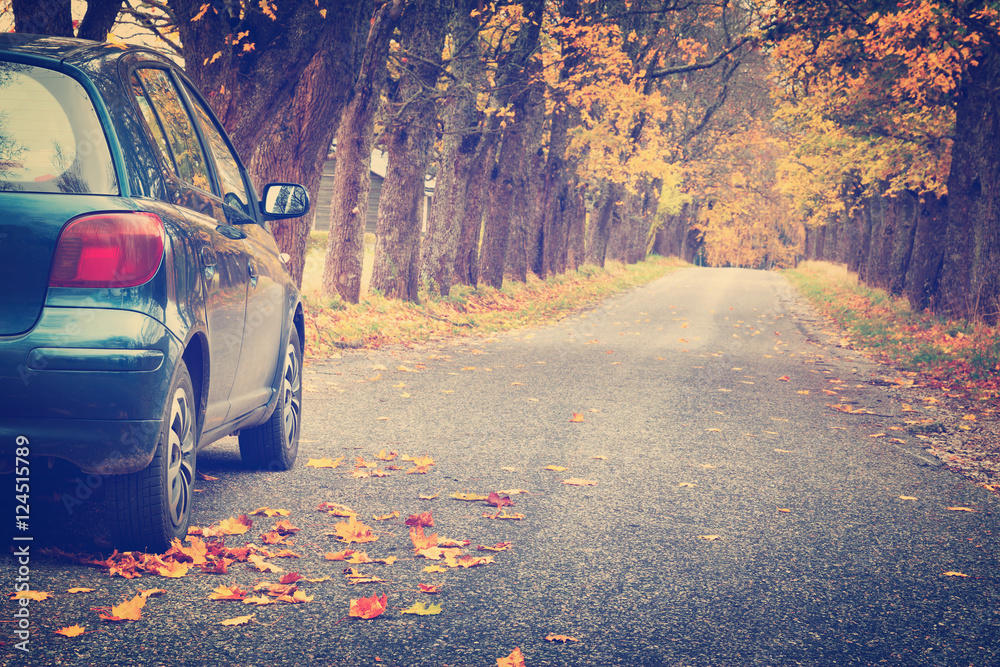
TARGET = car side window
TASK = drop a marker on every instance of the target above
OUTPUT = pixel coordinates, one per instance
(176, 132)
(234, 191)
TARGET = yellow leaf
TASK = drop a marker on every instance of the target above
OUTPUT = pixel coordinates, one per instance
(952, 573)
(239, 620)
(710, 538)
(468, 496)
(555, 468)
(419, 609)
(687, 485)
(80, 590)
(961, 509)
(576, 481)
(907, 497)
(560, 638)
(71, 631)
(37, 596)
(515, 659)
(324, 462)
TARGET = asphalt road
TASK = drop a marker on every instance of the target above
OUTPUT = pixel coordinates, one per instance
(737, 519)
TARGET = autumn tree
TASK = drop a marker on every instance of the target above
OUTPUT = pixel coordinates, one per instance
(410, 131)
(899, 90)
(352, 176)
(55, 17)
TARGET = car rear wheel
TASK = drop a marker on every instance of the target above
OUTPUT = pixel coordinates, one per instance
(149, 508)
(274, 444)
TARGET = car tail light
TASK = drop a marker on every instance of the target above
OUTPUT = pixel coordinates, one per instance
(108, 250)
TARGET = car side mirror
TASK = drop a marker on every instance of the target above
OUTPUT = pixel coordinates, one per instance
(284, 200)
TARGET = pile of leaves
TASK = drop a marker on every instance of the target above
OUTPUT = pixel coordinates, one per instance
(959, 357)
(332, 324)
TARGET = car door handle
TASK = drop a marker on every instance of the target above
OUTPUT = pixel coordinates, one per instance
(208, 262)
(254, 274)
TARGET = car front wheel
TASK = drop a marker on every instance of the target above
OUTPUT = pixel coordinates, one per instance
(149, 508)
(274, 444)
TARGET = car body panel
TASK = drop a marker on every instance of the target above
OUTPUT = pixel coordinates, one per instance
(84, 373)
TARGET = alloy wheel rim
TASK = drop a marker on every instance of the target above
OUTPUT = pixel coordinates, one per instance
(291, 387)
(180, 456)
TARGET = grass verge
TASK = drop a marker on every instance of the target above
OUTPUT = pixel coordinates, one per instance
(332, 324)
(955, 355)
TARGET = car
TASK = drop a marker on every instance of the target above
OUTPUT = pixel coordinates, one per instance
(146, 310)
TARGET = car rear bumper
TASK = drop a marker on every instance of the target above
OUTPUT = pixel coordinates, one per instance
(87, 385)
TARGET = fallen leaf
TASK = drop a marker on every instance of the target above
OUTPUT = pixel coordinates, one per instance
(205, 478)
(259, 600)
(907, 497)
(386, 456)
(576, 481)
(687, 485)
(952, 573)
(784, 509)
(499, 546)
(71, 631)
(336, 509)
(80, 590)
(419, 609)
(368, 608)
(496, 500)
(239, 620)
(961, 509)
(468, 496)
(267, 511)
(784, 378)
(561, 638)
(421, 541)
(515, 659)
(710, 538)
(130, 610)
(504, 514)
(577, 417)
(429, 588)
(324, 462)
(353, 530)
(262, 566)
(386, 517)
(555, 468)
(37, 596)
(428, 497)
(434, 569)
(423, 519)
(227, 593)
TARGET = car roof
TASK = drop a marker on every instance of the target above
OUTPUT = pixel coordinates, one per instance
(69, 50)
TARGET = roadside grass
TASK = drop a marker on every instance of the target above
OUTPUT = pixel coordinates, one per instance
(333, 324)
(956, 355)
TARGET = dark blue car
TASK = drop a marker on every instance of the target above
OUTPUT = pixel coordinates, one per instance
(145, 309)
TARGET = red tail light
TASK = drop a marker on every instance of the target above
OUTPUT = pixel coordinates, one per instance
(108, 250)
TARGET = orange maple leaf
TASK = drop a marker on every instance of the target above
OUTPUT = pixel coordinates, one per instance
(196, 553)
(353, 530)
(515, 659)
(429, 588)
(339, 555)
(236, 525)
(560, 638)
(130, 610)
(171, 569)
(285, 527)
(368, 608)
(290, 578)
(577, 417)
(421, 541)
(71, 631)
(37, 596)
(227, 593)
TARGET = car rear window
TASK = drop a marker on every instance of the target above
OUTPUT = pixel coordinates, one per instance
(50, 137)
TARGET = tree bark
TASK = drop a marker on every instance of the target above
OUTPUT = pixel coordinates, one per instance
(477, 179)
(297, 142)
(462, 147)
(55, 17)
(970, 280)
(397, 244)
(351, 176)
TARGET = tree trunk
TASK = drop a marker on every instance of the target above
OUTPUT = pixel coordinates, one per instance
(55, 17)
(297, 142)
(351, 176)
(925, 261)
(467, 253)
(397, 245)
(462, 146)
(522, 247)
(970, 280)
(607, 214)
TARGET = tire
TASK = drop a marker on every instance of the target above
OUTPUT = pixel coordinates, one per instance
(149, 508)
(274, 444)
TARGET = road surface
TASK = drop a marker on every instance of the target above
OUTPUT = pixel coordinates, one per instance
(736, 518)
